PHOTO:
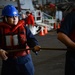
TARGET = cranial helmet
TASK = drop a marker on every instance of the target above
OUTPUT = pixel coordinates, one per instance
(9, 10)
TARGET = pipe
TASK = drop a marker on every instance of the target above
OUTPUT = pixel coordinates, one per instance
(16, 50)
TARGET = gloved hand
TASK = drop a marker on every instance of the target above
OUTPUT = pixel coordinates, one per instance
(3, 54)
(37, 48)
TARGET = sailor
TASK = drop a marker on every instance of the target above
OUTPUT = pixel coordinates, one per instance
(14, 35)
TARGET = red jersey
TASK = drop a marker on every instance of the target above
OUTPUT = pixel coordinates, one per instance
(30, 20)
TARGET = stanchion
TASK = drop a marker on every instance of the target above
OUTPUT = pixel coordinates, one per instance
(45, 30)
(58, 26)
(55, 26)
(41, 33)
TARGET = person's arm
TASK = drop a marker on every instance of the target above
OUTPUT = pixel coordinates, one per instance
(3, 55)
(66, 40)
(32, 20)
(31, 40)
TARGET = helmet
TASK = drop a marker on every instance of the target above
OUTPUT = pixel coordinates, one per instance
(9, 10)
(52, 5)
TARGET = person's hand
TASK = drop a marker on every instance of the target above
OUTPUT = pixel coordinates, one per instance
(37, 48)
(3, 54)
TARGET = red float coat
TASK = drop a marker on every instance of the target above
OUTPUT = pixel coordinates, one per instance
(13, 38)
(30, 20)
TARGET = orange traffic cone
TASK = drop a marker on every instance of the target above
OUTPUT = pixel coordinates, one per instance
(58, 25)
(45, 30)
(55, 26)
(41, 32)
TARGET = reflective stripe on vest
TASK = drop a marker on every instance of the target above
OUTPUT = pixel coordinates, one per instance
(11, 40)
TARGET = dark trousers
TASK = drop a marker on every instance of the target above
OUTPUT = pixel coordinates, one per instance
(18, 66)
(70, 63)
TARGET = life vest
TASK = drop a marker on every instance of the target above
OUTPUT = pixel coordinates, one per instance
(13, 37)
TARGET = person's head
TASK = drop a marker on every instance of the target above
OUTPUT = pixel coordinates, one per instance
(10, 15)
(27, 13)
